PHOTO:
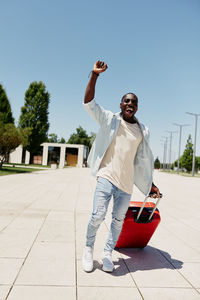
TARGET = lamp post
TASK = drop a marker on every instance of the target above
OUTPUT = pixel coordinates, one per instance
(165, 152)
(170, 147)
(195, 140)
(180, 134)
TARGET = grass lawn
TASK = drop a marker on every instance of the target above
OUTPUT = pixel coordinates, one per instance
(15, 170)
(11, 164)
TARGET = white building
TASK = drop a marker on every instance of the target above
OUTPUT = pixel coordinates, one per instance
(53, 153)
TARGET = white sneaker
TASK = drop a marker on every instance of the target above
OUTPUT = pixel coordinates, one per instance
(87, 259)
(108, 265)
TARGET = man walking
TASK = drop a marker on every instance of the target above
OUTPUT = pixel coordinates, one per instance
(120, 157)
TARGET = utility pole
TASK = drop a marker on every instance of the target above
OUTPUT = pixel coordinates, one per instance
(170, 147)
(179, 151)
(195, 140)
(165, 152)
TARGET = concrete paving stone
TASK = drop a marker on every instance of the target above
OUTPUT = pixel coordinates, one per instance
(16, 206)
(66, 204)
(120, 277)
(181, 252)
(42, 293)
(3, 202)
(67, 200)
(4, 289)
(170, 294)
(191, 271)
(82, 219)
(87, 186)
(9, 268)
(15, 243)
(14, 193)
(37, 214)
(191, 221)
(8, 212)
(183, 232)
(84, 201)
(29, 220)
(111, 293)
(6, 220)
(62, 216)
(83, 206)
(57, 231)
(49, 264)
(52, 194)
(150, 269)
(43, 203)
(178, 207)
(6, 189)
(172, 247)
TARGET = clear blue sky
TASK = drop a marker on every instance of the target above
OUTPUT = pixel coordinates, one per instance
(152, 48)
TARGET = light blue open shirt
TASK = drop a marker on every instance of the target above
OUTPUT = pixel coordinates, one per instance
(109, 123)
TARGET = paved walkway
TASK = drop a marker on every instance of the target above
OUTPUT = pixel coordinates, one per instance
(43, 218)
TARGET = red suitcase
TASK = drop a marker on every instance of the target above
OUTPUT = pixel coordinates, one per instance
(142, 219)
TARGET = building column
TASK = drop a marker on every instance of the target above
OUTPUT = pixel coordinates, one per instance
(80, 156)
(62, 156)
(45, 155)
(16, 155)
(27, 158)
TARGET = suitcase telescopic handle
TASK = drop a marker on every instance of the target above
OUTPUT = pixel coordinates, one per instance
(143, 205)
(158, 200)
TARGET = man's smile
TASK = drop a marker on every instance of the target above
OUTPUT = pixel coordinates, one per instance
(129, 109)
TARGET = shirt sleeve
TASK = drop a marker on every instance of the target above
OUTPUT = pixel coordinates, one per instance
(97, 112)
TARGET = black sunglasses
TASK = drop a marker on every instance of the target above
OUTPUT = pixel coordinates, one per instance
(134, 101)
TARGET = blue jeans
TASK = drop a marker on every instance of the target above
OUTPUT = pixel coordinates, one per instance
(103, 193)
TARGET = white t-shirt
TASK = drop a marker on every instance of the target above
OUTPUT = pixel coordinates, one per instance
(117, 163)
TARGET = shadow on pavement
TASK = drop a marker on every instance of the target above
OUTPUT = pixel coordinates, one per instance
(149, 258)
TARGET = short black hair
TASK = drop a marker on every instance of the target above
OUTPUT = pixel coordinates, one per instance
(131, 94)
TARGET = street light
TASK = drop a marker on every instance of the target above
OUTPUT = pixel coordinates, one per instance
(165, 152)
(163, 144)
(195, 139)
(170, 149)
(180, 133)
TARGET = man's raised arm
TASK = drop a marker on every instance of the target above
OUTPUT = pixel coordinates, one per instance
(98, 68)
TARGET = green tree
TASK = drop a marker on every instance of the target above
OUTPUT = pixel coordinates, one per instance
(52, 138)
(5, 109)
(187, 157)
(80, 137)
(34, 116)
(157, 163)
(176, 163)
(10, 138)
(62, 141)
(198, 162)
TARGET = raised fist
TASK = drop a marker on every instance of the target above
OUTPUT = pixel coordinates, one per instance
(99, 67)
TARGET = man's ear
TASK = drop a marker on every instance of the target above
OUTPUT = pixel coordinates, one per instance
(120, 105)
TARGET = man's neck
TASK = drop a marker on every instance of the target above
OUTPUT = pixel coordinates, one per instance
(131, 121)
